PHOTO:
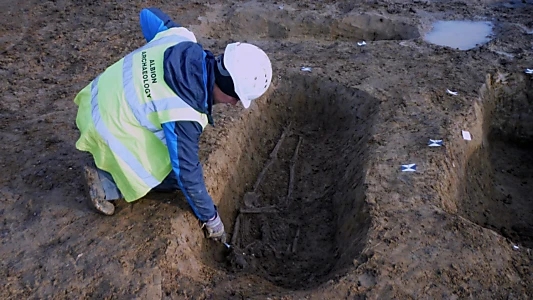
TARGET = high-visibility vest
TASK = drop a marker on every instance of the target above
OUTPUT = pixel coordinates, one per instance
(121, 111)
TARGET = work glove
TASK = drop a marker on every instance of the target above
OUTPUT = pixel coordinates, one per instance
(214, 229)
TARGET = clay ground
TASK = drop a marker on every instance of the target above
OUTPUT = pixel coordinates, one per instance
(349, 224)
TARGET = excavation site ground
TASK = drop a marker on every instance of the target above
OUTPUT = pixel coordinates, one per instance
(308, 180)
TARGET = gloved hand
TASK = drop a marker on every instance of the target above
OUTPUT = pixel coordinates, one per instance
(214, 229)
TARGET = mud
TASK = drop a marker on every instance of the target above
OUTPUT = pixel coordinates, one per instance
(349, 224)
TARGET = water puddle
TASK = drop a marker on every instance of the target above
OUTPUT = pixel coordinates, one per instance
(462, 35)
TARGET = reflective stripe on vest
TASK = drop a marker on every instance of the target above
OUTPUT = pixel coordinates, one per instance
(114, 144)
(148, 111)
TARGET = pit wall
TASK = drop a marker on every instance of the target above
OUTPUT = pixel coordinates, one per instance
(458, 151)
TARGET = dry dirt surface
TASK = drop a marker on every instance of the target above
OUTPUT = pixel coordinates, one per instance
(308, 180)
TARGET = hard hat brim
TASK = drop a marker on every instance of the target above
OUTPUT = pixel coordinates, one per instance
(230, 60)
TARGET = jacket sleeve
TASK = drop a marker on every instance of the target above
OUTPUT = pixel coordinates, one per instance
(154, 21)
(182, 142)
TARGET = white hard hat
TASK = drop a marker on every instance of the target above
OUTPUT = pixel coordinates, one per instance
(250, 70)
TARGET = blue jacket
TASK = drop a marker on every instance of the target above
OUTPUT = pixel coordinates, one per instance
(189, 73)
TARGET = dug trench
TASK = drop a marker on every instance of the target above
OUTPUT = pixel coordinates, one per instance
(499, 173)
(302, 153)
(254, 20)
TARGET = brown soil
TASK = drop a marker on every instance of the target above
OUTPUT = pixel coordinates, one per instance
(354, 226)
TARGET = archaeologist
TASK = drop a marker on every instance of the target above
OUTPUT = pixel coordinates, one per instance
(141, 119)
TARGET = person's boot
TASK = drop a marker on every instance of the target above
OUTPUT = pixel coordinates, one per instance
(96, 191)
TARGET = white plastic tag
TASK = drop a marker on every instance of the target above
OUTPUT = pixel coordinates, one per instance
(409, 168)
(466, 135)
(435, 143)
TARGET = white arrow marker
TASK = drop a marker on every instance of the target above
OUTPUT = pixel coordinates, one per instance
(451, 92)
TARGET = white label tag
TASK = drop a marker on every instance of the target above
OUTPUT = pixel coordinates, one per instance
(409, 168)
(467, 136)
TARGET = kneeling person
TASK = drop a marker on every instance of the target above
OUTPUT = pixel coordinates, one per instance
(141, 119)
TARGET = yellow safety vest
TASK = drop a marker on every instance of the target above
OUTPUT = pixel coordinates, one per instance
(121, 111)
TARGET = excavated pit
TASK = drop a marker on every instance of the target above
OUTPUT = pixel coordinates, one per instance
(253, 21)
(499, 173)
(302, 240)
